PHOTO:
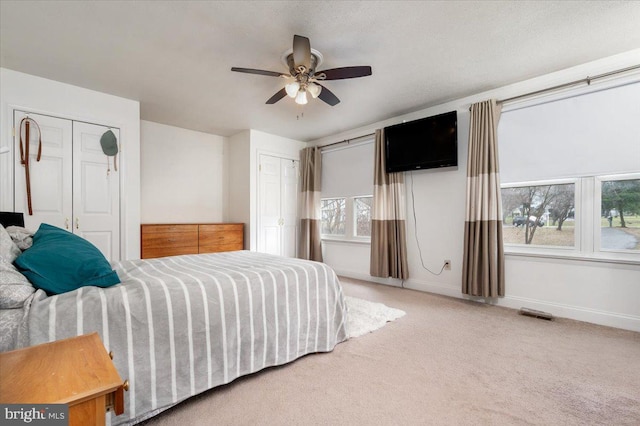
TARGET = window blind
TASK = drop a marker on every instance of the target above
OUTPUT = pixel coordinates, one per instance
(348, 171)
(591, 134)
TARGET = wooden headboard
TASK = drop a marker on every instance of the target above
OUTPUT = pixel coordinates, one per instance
(11, 219)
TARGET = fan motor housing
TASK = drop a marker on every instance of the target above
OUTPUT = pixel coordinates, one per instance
(316, 60)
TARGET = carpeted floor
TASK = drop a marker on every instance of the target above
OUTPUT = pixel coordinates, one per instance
(446, 362)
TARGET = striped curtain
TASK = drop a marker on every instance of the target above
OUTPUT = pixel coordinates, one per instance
(483, 262)
(388, 216)
(311, 173)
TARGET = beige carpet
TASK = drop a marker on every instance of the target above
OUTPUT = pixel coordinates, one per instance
(446, 362)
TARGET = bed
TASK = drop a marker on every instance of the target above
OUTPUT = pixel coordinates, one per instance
(181, 325)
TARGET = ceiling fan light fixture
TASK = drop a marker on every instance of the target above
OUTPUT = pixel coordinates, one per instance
(303, 62)
(314, 89)
(301, 97)
(292, 88)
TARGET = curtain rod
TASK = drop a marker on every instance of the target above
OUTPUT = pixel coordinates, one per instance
(587, 80)
(346, 141)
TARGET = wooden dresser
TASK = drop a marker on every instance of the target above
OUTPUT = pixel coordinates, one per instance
(75, 371)
(159, 240)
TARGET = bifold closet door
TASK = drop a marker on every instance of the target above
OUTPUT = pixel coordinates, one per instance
(277, 201)
(71, 187)
(51, 177)
(269, 238)
(289, 206)
(96, 190)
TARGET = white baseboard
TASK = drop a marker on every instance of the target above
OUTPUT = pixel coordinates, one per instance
(609, 319)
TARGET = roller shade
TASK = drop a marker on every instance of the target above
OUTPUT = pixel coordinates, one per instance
(348, 171)
(596, 133)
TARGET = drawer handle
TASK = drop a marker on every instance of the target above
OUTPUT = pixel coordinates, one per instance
(171, 240)
(125, 385)
(111, 354)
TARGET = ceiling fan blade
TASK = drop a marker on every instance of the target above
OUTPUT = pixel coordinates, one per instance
(327, 96)
(345, 72)
(275, 98)
(301, 51)
(259, 72)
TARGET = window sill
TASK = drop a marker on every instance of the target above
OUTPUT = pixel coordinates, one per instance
(559, 254)
(346, 240)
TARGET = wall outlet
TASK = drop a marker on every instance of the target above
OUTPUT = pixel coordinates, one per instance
(447, 265)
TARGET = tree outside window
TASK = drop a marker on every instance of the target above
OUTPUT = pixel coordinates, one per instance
(333, 212)
(620, 221)
(363, 216)
(347, 218)
(539, 214)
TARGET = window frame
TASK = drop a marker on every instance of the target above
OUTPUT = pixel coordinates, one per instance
(597, 211)
(350, 222)
(558, 250)
(355, 217)
(588, 201)
(346, 219)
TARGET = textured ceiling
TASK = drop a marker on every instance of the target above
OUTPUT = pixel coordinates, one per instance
(175, 57)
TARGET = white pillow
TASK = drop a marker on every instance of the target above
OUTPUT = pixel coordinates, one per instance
(22, 237)
(10, 322)
(15, 288)
(9, 251)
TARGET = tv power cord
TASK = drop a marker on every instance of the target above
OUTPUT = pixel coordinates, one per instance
(415, 229)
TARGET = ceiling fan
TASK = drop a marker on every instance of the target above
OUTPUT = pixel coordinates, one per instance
(303, 78)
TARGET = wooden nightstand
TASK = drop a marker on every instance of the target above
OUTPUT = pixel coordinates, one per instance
(76, 371)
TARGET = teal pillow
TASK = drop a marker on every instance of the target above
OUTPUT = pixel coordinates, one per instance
(59, 261)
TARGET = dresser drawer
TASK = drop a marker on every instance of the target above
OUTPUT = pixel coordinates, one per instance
(221, 227)
(150, 253)
(221, 237)
(169, 240)
(152, 229)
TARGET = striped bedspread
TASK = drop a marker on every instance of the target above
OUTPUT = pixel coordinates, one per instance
(181, 325)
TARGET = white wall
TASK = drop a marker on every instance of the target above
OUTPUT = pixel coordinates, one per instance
(237, 150)
(182, 175)
(35, 94)
(601, 292)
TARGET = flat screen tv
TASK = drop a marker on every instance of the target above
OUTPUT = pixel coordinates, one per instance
(427, 143)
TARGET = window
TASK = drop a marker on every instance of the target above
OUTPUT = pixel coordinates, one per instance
(619, 220)
(570, 173)
(542, 215)
(362, 207)
(334, 212)
(347, 185)
(347, 218)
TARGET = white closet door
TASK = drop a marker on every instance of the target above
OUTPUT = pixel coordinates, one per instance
(278, 201)
(51, 179)
(269, 205)
(289, 206)
(96, 192)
